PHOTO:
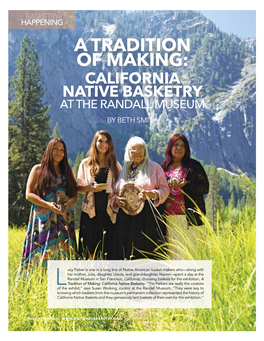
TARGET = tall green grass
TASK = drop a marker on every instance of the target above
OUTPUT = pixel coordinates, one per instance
(28, 302)
(232, 250)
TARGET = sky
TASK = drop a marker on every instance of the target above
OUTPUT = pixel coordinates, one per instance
(241, 23)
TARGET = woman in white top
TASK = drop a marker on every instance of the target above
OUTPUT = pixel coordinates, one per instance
(97, 175)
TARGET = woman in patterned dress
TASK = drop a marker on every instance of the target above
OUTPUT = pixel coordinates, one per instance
(188, 184)
(50, 233)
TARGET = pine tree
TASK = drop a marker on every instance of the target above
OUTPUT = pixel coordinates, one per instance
(232, 201)
(214, 201)
(56, 131)
(29, 128)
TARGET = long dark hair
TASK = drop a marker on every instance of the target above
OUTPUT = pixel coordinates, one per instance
(92, 153)
(46, 171)
(168, 156)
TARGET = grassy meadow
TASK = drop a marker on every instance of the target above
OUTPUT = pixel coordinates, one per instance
(232, 249)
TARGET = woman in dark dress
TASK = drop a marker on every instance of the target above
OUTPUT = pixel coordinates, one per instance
(188, 184)
(96, 178)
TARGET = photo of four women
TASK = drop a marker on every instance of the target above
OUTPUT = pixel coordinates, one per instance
(162, 194)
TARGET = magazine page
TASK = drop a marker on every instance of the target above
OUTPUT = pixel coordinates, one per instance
(132, 170)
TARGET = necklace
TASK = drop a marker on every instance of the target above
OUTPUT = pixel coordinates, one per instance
(132, 173)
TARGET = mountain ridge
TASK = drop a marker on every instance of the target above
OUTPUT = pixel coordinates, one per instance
(223, 131)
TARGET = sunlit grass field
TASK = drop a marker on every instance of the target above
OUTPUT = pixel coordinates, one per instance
(232, 250)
